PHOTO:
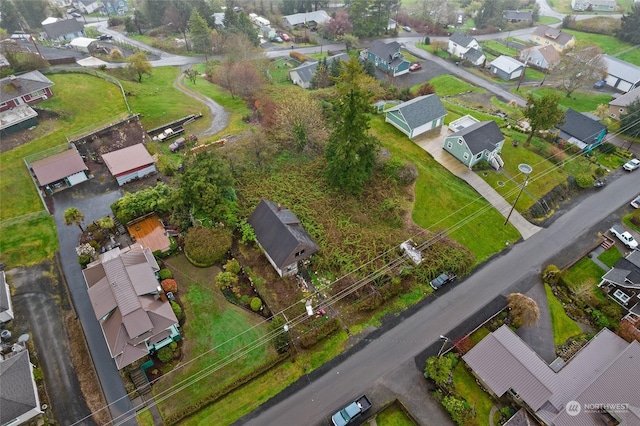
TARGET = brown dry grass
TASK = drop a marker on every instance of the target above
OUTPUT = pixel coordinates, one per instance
(86, 373)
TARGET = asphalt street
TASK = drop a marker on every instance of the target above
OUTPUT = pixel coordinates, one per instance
(522, 263)
(93, 207)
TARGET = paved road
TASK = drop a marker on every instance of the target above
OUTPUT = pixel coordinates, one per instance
(524, 261)
(93, 208)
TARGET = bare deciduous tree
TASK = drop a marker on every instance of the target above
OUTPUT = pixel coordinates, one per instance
(580, 68)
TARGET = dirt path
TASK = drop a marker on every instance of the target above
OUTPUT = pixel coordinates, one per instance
(219, 117)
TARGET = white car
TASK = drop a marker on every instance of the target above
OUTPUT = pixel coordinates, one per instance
(631, 165)
(624, 236)
(635, 203)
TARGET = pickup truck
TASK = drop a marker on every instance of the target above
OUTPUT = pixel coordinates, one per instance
(352, 411)
(170, 133)
(624, 236)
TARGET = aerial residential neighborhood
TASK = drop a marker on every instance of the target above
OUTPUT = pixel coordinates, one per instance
(299, 213)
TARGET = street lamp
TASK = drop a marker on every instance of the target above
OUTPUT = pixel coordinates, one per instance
(446, 339)
(526, 170)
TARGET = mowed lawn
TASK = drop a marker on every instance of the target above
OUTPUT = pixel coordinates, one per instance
(213, 333)
(100, 100)
(580, 100)
(27, 239)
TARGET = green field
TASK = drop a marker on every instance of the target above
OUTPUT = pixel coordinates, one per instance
(563, 326)
(580, 100)
(608, 44)
(27, 239)
(393, 416)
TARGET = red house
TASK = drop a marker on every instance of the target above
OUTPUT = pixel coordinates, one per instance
(27, 88)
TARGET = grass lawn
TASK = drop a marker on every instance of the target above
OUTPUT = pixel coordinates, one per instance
(584, 271)
(467, 388)
(159, 102)
(393, 416)
(248, 397)
(499, 48)
(632, 55)
(144, 418)
(563, 326)
(448, 85)
(547, 20)
(459, 208)
(279, 70)
(610, 257)
(581, 101)
(27, 239)
(213, 332)
(608, 44)
(479, 334)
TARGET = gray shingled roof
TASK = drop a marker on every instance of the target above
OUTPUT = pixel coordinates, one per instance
(27, 83)
(420, 110)
(580, 126)
(482, 136)
(318, 16)
(384, 51)
(306, 70)
(62, 28)
(517, 15)
(628, 98)
(17, 394)
(473, 54)
(626, 271)
(461, 39)
(280, 233)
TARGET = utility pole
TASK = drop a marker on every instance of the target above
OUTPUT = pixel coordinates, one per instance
(526, 170)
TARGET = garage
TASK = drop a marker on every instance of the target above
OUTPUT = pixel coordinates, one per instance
(623, 76)
(130, 163)
(59, 171)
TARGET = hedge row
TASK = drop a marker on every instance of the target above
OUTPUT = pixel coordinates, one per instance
(214, 397)
(312, 337)
(385, 292)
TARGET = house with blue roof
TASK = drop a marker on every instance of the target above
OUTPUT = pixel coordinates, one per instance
(424, 114)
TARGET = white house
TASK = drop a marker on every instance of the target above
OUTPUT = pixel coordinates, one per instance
(466, 47)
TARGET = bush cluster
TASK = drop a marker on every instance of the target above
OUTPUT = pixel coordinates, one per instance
(312, 337)
(300, 57)
(165, 274)
(204, 247)
(256, 304)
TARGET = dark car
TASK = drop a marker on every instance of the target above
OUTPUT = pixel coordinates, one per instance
(442, 279)
(177, 144)
(600, 84)
(103, 37)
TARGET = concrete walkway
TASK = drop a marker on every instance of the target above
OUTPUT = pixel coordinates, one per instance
(433, 145)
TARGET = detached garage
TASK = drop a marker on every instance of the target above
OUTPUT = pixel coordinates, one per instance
(60, 171)
(623, 76)
(130, 163)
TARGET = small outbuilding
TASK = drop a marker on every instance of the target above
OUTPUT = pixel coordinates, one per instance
(82, 44)
(417, 116)
(60, 171)
(281, 236)
(130, 163)
(507, 68)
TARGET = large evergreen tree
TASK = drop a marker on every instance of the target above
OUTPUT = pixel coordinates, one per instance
(351, 152)
(11, 17)
(200, 33)
(630, 26)
(33, 11)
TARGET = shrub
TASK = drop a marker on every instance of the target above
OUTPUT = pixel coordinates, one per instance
(281, 338)
(206, 246)
(256, 304)
(460, 410)
(177, 310)
(439, 369)
(300, 57)
(105, 222)
(169, 285)
(95, 245)
(115, 54)
(165, 274)
(551, 274)
(584, 180)
(165, 354)
(232, 266)
(225, 280)
(84, 260)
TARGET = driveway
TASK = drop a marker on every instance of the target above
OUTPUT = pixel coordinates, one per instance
(41, 306)
(93, 200)
(433, 145)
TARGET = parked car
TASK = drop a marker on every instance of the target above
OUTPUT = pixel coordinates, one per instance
(277, 39)
(631, 165)
(442, 279)
(177, 145)
(635, 203)
(76, 15)
(624, 236)
(415, 67)
(285, 37)
(103, 37)
(407, 28)
(599, 84)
